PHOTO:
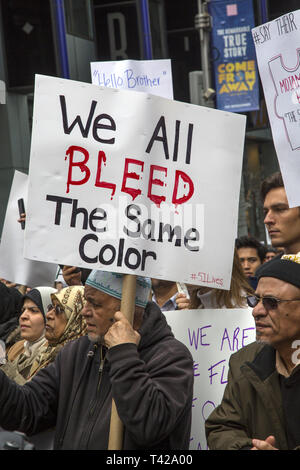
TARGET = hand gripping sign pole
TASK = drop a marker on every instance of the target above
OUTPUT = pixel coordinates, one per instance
(127, 308)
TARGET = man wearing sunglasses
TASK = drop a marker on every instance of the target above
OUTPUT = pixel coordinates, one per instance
(260, 409)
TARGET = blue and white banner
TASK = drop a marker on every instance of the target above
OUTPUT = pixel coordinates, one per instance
(235, 70)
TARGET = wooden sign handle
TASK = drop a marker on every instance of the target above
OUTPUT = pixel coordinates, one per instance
(115, 441)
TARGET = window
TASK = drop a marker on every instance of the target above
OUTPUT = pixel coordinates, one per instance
(28, 41)
(78, 18)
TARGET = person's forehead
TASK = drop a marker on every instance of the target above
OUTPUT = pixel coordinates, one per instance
(275, 196)
(96, 294)
(247, 251)
(273, 285)
(29, 303)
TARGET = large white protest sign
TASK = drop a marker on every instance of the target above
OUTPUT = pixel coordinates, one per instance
(211, 336)
(13, 266)
(278, 55)
(152, 76)
(133, 183)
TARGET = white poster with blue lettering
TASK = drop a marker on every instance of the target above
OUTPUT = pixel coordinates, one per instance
(151, 76)
(278, 55)
(211, 335)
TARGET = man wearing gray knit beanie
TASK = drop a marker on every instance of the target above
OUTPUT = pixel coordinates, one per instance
(104, 289)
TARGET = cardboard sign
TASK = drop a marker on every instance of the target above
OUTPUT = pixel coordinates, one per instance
(211, 335)
(151, 76)
(278, 55)
(133, 183)
(13, 266)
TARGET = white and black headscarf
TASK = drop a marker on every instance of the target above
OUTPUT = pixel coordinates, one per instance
(41, 296)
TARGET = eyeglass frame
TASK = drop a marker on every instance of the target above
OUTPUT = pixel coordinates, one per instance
(58, 309)
(268, 307)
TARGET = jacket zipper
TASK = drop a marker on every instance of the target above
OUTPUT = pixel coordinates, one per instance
(61, 438)
(102, 359)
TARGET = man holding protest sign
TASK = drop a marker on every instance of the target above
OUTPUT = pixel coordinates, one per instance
(260, 406)
(147, 372)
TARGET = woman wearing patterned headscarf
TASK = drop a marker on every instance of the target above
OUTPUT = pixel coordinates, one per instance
(32, 321)
(64, 323)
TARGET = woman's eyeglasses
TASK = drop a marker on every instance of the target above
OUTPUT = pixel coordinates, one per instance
(58, 309)
(269, 302)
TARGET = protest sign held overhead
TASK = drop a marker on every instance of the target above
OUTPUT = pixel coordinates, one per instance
(278, 55)
(13, 266)
(152, 76)
(133, 183)
(211, 335)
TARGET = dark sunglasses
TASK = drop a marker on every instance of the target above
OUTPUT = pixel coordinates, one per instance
(58, 309)
(269, 302)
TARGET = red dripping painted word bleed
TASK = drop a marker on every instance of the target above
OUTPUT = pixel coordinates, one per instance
(156, 174)
(133, 168)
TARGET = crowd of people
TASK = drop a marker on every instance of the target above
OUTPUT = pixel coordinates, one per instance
(70, 352)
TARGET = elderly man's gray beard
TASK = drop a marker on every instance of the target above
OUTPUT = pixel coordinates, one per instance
(96, 339)
(261, 341)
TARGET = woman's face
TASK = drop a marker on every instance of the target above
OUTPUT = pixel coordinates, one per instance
(31, 321)
(56, 322)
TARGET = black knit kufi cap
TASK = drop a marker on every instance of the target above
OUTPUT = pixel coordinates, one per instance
(286, 268)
